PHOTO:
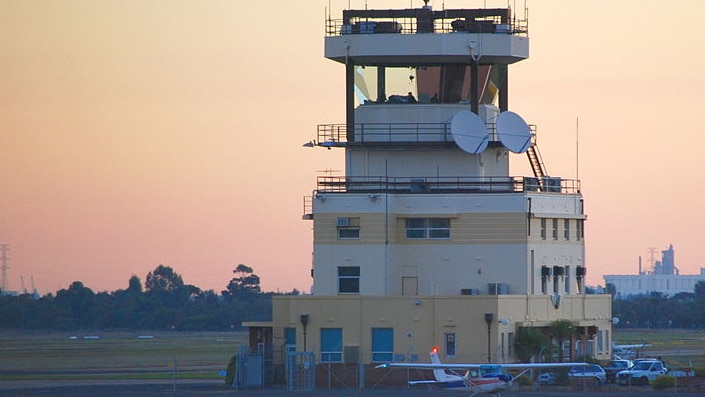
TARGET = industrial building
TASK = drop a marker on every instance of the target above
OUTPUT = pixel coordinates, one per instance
(661, 276)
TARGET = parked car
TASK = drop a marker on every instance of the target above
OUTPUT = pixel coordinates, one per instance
(588, 371)
(547, 378)
(614, 366)
(642, 373)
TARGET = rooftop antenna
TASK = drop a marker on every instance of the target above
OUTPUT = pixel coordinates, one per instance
(577, 152)
(4, 248)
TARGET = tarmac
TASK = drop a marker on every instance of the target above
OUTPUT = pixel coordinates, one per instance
(214, 388)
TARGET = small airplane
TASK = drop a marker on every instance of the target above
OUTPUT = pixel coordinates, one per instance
(627, 351)
(478, 378)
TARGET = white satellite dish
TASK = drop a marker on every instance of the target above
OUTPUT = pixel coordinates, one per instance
(513, 132)
(469, 132)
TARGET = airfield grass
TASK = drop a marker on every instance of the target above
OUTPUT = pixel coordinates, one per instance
(202, 355)
(117, 355)
(681, 348)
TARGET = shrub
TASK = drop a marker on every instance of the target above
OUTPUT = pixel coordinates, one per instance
(230, 371)
(524, 381)
(663, 382)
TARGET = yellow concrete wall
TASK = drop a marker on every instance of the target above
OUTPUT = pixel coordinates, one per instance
(420, 323)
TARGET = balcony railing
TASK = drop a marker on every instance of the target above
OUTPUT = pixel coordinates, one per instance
(376, 133)
(341, 184)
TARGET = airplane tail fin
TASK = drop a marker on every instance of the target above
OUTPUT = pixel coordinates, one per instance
(438, 374)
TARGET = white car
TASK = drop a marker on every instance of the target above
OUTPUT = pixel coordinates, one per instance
(642, 373)
(588, 371)
(547, 378)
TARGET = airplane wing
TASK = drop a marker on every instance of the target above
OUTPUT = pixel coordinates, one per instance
(428, 366)
(635, 346)
(461, 366)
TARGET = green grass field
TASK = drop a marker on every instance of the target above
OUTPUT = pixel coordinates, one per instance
(202, 355)
(681, 348)
(116, 354)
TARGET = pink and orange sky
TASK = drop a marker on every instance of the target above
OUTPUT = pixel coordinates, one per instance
(138, 133)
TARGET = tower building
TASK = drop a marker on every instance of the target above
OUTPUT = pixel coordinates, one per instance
(427, 239)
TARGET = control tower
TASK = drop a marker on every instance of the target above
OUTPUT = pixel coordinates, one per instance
(427, 239)
(427, 205)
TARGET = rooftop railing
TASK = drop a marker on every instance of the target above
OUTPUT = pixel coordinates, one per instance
(412, 21)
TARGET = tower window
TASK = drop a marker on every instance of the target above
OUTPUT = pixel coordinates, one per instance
(566, 229)
(579, 229)
(348, 228)
(349, 280)
(428, 228)
(543, 228)
(555, 229)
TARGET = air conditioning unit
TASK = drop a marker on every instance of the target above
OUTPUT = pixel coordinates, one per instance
(342, 222)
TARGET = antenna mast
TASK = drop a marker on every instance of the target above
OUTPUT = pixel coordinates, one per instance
(4, 248)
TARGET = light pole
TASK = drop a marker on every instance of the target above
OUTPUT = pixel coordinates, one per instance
(304, 320)
(488, 320)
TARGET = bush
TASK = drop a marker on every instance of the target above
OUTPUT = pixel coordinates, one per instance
(663, 382)
(524, 381)
(230, 372)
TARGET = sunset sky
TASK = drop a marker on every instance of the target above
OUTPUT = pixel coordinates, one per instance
(137, 133)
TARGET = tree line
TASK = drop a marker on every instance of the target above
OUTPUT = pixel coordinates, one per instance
(164, 303)
(657, 310)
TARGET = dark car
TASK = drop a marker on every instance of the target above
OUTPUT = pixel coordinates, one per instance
(615, 366)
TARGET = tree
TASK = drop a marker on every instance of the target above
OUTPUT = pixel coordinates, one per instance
(611, 289)
(561, 330)
(163, 278)
(530, 343)
(134, 285)
(700, 290)
(244, 284)
(78, 302)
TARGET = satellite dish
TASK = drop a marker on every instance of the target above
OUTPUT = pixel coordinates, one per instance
(469, 132)
(513, 132)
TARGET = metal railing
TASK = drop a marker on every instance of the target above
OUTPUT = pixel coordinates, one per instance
(510, 184)
(337, 27)
(337, 134)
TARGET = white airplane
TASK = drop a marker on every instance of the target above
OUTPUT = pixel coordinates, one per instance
(478, 378)
(627, 351)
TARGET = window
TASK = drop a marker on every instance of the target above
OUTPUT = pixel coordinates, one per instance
(543, 228)
(290, 336)
(510, 344)
(545, 274)
(382, 345)
(567, 279)
(331, 345)
(348, 228)
(428, 228)
(578, 229)
(566, 229)
(555, 229)
(450, 345)
(349, 280)
(600, 341)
